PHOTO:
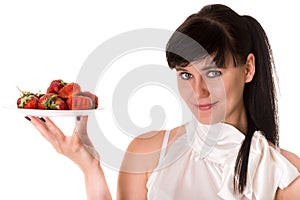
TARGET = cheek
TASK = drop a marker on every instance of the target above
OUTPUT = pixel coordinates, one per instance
(185, 90)
(218, 93)
(234, 92)
(228, 88)
(217, 89)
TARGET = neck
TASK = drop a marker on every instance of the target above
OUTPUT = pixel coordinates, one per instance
(239, 121)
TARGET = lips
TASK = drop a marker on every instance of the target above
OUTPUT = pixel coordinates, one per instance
(205, 106)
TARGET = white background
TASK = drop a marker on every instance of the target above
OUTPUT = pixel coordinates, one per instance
(45, 40)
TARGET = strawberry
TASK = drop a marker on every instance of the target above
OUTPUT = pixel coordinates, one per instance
(69, 90)
(52, 101)
(27, 100)
(92, 96)
(43, 101)
(59, 104)
(80, 103)
(55, 86)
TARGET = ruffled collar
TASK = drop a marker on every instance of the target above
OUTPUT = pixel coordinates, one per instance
(215, 142)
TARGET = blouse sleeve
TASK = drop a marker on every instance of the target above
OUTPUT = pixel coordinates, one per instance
(267, 170)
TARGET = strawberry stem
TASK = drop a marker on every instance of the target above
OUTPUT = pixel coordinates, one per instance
(24, 93)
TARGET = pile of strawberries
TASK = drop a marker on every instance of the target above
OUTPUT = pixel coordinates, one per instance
(60, 95)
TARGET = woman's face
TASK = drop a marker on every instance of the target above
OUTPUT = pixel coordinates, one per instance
(213, 94)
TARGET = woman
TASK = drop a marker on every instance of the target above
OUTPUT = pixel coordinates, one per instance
(230, 149)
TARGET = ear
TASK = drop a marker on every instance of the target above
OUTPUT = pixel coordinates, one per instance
(249, 68)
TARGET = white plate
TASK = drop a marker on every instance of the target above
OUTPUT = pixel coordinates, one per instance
(50, 113)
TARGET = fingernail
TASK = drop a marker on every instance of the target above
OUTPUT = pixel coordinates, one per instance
(27, 118)
(42, 119)
(78, 118)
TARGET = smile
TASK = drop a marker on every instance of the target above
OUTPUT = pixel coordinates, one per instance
(204, 107)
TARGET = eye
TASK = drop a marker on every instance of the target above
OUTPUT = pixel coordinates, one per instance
(213, 74)
(185, 75)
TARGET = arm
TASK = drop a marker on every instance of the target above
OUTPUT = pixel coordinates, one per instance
(139, 161)
(293, 158)
(96, 186)
(74, 147)
(132, 186)
(293, 190)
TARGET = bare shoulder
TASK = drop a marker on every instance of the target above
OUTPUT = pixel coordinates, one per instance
(290, 192)
(293, 158)
(152, 141)
(139, 161)
(147, 142)
(145, 149)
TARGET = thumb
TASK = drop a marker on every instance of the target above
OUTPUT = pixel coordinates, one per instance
(81, 125)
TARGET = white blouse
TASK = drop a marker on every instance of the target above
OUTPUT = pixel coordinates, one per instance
(200, 165)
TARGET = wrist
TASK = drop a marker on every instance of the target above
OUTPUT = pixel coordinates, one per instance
(96, 186)
(90, 167)
(87, 159)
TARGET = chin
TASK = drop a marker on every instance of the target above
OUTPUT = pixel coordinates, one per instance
(209, 119)
(213, 116)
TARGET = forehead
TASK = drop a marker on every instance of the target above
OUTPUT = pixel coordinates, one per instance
(201, 64)
(208, 62)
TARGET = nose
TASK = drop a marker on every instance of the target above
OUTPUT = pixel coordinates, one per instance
(200, 88)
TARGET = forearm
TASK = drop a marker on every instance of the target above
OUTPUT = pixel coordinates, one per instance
(96, 186)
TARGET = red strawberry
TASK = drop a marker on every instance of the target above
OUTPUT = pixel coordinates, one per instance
(92, 96)
(55, 86)
(52, 101)
(69, 90)
(27, 100)
(59, 104)
(80, 103)
(43, 101)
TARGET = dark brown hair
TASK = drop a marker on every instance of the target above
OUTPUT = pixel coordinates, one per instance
(221, 32)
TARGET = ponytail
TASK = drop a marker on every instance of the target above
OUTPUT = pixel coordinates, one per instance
(259, 98)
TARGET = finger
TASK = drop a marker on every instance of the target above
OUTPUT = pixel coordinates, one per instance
(53, 128)
(42, 128)
(81, 121)
(47, 128)
(80, 130)
(81, 125)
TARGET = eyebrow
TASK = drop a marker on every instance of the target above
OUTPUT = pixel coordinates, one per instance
(202, 69)
(209, 67)
(180, 69)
